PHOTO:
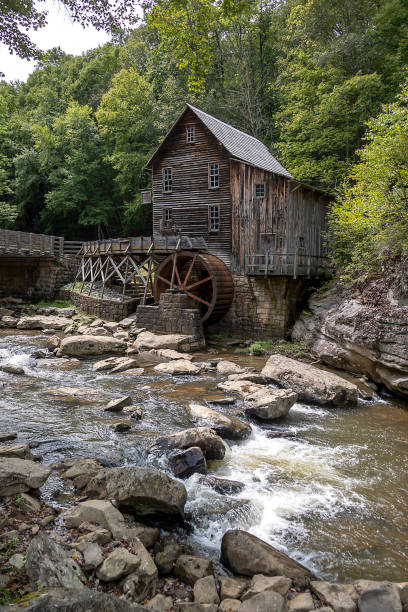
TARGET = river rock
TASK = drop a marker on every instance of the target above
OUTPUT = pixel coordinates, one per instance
(184, 606)
(168, 355)
(160, 603)
(86, 395)
(42, 322)
(79, 346)
(21, 451)
(203, 437)
(177, 342)
(9, 321)
(184, 463)
(80, 471)
(312, 384)
(232, 588)
(4, 518)
(303, 602)
(86, 600)
(224, 426)
(30, 503)
(114, 364)
(260, 583)
(17, 561)
(205, 590)
(245, 554)
(117, 564)
(261, 402)
(221, 485)
(190, 568)
(21, 475)
(166, 558)
(98, 536)
(93, 556)
(116, 405)
(378, 596)
(230, 605)
(58, 364)
(177, 367)
(140, 490)
(12, 368)
(48, 565)
(341, 597)
(267, 601)
(97, 511)
(229, 367)
(141, 583)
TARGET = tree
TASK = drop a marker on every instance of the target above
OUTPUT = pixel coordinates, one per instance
(372, 212)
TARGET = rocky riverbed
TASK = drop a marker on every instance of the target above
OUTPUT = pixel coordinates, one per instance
(145, 475)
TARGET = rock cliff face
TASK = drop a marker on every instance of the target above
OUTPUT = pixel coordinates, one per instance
(364, 330)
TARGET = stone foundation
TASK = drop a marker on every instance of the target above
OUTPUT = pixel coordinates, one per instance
(173, 315)
(262, 307)
(34, 277)
(104, 309)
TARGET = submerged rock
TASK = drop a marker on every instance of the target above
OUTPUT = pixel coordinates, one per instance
(225, 426)
(79, 346)
(203, 437)
(11, 368)
(48, 565)
(140, 490)
(21, 475)
(312, 384)
(245, 554)
(221, 485)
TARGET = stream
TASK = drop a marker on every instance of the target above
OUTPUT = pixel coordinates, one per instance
(330, 488)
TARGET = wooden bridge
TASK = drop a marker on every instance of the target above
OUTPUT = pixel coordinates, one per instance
(27, 244)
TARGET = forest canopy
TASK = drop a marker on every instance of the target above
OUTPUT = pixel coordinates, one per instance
(304, 76)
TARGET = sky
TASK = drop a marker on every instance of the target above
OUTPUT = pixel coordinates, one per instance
(60, 31)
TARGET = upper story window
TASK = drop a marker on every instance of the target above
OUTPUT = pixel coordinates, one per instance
(260, 190)
(190, 134)
(213, 175)
(167, 180)
(168, 214)
(214, 217)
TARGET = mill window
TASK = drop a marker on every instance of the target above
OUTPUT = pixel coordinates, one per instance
(167, 180)
(260, 190)
(190, 135)
(214, 217)
(168, 214)
(213, 175)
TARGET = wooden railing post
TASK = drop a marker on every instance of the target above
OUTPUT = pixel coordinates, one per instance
(295, 263)
(61, 246)
(266, 264)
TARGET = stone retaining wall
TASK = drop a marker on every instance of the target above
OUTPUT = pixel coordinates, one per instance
(262, 307)
(34, 277)
(104, 309)
(173, 315)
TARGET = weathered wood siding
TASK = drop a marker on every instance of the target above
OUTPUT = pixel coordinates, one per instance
(191, 195)
(289, 217)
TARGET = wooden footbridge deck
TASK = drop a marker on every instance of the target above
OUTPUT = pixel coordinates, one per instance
(27, 244)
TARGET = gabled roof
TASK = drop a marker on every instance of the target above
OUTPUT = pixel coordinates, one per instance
(240, 145)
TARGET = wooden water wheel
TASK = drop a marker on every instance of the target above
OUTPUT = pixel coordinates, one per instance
(201, 276)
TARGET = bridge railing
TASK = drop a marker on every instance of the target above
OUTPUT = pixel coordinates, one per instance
(36, 245)
(285, 264)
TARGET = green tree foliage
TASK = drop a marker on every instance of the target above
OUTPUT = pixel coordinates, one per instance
(372, 212)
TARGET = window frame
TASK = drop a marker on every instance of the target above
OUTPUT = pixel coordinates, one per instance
(210, 175)
(211, 218)
(256, 196)
(166, 180)
(190, 129)
(167, 214)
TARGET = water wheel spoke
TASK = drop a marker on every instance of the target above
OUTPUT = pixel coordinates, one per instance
(163, 279)
(200, 282)
(190, 269)
(197, 298)
(180, 284)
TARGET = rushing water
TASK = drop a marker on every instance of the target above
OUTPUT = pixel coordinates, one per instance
(330, 488)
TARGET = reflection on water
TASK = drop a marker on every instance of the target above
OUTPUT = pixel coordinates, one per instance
(330, 489)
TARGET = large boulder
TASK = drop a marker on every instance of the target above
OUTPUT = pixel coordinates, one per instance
(225, 426)
(140, 490)
(260, 401)
(84, 600)
(376, 596)
(48, 565)
(203, 437)
(79, 346)
(21, 475)
(247, 555)
(177, 342)
(312, 384)
(42, 322)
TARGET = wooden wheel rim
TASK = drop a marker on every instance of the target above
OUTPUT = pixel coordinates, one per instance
(214, 277)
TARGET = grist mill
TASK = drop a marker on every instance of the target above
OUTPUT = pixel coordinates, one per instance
(233, 232)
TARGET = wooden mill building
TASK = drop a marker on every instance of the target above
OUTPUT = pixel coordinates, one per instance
(213, 181)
